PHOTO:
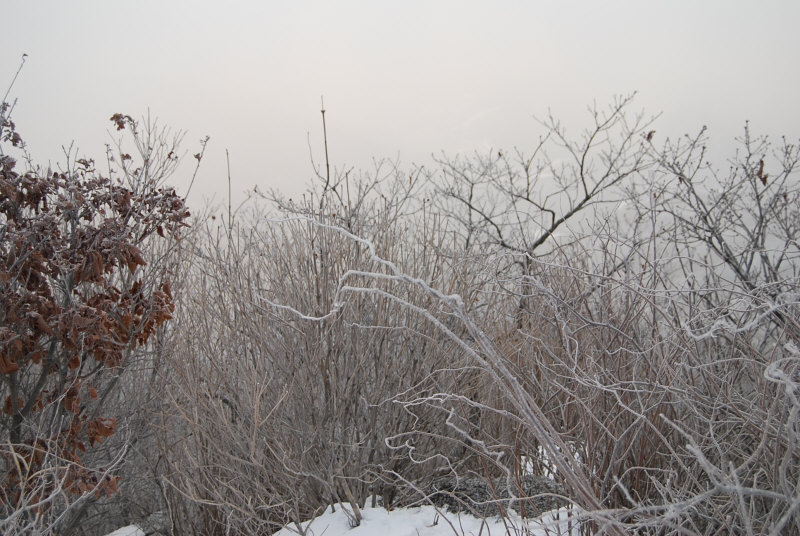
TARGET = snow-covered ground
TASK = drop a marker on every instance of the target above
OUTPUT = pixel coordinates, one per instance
(130, 530)
(427, 521)
(421, 521)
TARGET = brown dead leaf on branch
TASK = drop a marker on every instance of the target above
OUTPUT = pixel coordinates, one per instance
(760, 174)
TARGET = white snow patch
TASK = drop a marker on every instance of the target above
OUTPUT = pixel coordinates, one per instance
(426, 521)
(130, 530)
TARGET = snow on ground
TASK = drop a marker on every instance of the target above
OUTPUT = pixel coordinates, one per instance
(130, 530)
(419, 521)
(427, 521)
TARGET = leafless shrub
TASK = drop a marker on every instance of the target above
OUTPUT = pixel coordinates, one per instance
(630, 333)
(283, 391)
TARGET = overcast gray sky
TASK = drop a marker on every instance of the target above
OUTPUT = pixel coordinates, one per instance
(410, 78)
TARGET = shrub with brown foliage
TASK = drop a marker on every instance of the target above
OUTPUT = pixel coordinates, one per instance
(75, 303)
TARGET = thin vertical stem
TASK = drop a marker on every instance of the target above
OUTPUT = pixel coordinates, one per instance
(230, 216)
(327, 162)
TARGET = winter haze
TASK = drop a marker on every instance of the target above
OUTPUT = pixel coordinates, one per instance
(403, 80)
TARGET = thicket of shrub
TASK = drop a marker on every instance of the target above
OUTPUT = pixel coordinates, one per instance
(616, 315)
